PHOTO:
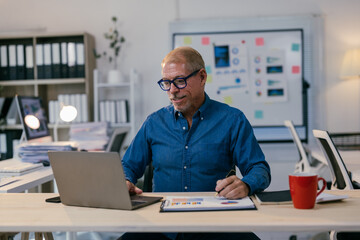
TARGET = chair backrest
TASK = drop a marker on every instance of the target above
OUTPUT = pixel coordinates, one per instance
(117, 139)
(303, 164)
(340, 175)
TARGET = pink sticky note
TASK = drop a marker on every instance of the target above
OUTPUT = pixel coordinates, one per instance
(205, 41)
(295, 69)
(259, 41)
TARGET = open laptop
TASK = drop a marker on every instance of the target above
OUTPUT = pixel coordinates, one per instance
(94, 179)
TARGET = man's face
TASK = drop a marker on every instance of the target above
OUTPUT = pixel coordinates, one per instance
(189, 99)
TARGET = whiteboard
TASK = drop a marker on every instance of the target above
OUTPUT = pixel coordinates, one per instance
(259, 72)
(258, 65)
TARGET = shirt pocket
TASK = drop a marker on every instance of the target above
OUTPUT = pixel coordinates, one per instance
(212, 156)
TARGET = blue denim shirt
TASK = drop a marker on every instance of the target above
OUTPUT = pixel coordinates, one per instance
(193, 159)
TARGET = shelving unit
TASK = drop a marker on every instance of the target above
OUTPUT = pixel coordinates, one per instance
(118, 91)
(48, 88)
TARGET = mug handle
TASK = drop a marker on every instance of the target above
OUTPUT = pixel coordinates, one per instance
(323, 185)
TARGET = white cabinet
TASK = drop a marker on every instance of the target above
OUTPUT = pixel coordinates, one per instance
(116, 102)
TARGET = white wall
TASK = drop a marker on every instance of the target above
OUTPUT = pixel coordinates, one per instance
(144, 23)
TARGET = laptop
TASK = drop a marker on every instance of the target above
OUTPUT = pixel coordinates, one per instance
(94, 179)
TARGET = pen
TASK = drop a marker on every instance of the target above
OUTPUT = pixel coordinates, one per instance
(230, 173)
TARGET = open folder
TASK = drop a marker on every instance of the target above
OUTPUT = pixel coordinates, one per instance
(204, 203)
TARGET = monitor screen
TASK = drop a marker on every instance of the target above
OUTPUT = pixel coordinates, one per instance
(32, 106)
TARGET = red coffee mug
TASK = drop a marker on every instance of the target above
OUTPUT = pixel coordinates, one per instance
(303, 189)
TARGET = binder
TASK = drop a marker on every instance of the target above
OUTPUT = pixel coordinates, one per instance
(29, 58)
(71, 59)
(20, 62)
(78, 107)
(3, 147)
(56, 69)
(40, 61)
(47, 61)
(84, 108)
(64, 61)
(5, 107)
(12, 62)
(4, 68)
(12, 116)
(80, 60)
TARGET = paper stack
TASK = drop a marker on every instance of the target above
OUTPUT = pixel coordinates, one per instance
(90, 136)
(37, 152)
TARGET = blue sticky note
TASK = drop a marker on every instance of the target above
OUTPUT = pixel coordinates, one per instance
(295, 47)
(258, 114)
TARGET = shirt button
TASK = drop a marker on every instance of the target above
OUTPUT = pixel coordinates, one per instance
(185, 187)
(202, 118)
(179, 114)
(186, 147)
(184, 167)
(184, 128)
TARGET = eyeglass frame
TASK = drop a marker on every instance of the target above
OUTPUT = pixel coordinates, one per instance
(178, 78)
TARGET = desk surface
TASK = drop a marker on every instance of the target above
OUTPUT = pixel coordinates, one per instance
(29, 180)
(30, 212)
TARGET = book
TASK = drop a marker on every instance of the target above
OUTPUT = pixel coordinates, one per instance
(284, 197)
(205, 203)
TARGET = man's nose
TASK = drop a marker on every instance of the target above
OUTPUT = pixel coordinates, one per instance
(173, 88)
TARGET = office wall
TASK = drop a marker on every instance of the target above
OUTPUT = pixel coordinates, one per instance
(145, 25)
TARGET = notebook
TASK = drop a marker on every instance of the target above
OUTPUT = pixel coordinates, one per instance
(94, 179)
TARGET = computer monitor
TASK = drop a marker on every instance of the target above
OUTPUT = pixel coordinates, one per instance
(117, 139)
(33, 105)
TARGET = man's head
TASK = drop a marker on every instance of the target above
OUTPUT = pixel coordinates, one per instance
(189, 94)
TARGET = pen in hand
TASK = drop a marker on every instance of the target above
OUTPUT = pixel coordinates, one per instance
(230, 173)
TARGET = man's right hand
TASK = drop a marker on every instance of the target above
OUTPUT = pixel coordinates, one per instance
(132, 188)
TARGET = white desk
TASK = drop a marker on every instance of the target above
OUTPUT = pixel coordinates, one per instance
(30, 213)
(29, 180)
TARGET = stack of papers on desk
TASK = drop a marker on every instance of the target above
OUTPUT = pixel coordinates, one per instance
(90, 136)
(202, 203)
(37, 152)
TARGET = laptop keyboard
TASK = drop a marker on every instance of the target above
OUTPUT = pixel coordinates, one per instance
(136, 202)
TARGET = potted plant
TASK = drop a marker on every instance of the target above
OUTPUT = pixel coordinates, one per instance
(115, 43)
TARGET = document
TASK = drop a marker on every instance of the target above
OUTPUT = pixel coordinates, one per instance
(205, 203)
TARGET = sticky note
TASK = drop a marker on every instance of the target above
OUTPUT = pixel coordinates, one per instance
(295, 47)
(208, 69)
(228, 100)
(295, 69)
(187, 40)
(205, 40)
(209, 78)
(259, 41)
(258, 114)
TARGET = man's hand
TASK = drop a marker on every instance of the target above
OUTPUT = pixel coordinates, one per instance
(232, 188)
(132, 188)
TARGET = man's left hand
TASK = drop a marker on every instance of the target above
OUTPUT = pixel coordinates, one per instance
(232, 188)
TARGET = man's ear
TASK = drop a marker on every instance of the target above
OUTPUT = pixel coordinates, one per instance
(203, 76)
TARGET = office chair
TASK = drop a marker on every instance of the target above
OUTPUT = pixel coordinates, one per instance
(304, 164)
(117, 139)
(341, 177)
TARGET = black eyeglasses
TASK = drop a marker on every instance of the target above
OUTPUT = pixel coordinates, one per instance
(179, 82)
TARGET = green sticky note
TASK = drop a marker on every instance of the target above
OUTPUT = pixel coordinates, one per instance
(209, 78)
(187, 40)
(228, 100)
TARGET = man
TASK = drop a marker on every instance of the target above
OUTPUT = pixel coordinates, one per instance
(196, 141)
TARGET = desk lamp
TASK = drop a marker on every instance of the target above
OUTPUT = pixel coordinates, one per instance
(67, 114)
(32, 122)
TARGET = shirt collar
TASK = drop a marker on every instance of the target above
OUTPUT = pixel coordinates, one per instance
(201, 110)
